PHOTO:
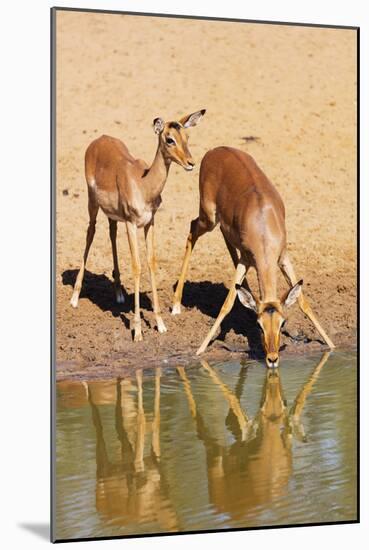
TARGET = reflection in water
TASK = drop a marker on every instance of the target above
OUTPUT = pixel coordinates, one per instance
(256, 467)
(140, 486)
(134, 488)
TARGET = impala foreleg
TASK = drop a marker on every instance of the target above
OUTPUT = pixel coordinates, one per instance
(151, 259)
(294, 416)
(141, 427)
(226, 307)
(136, 269)
(116, 273)
(188, 391)
(299, 402)
(289, 274)
(233, 400)
(155, 442)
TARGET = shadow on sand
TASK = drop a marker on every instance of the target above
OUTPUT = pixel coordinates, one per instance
(206, 296)
(100, 291)
(209, 297)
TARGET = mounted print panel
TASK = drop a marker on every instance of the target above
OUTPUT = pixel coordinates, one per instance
(205, 310)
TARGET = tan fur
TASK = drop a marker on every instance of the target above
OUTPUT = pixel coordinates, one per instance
(128, 190)
(235, 193)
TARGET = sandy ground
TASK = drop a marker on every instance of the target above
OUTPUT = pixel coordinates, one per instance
(292, 88)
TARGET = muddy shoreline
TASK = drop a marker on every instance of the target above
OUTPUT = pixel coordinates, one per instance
(95, 340)
(71, 371)
(233, 347)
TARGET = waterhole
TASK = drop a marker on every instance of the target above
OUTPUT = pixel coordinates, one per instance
(208, 446)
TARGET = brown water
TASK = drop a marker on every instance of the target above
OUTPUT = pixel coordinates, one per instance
(212, 446)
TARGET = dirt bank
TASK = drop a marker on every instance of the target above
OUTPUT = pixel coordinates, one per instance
(292, 88)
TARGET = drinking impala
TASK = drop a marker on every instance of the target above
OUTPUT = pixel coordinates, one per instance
(235, 193)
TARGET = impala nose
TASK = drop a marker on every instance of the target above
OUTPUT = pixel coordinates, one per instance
(190, 165)
(272, 360)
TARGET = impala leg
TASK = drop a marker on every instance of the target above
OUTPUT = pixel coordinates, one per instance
(102, 458)
(299, 402)
(233, 400)
(289, 274)
(126, 447)
(198, 228)
(187, 387)
(116, 274)
(235, 259)
(93, 209)
(141, 427)
(155, 442)
(231, 249)
(151, 259)
(226, 307)
(136, 269)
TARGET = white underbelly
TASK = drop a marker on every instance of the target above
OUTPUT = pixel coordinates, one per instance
(137, 213)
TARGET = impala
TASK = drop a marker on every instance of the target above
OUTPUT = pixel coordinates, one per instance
(236, 193)
(127, 190)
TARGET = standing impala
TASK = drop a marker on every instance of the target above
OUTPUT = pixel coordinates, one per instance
(127, 190)
(237, 194)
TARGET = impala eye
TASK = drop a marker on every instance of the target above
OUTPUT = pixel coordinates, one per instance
(283, 323)
(170, 141)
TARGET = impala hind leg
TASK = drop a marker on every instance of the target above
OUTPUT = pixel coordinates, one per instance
(93, 209)
(226, 307)
(116, 273)
(231, 249)
(198, 227)
(289, 274)
(136, 269)
(151, 259)
(235, 259)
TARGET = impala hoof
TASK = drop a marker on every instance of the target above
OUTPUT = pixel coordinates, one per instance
(74, 300)
(137, 337)
(176, 309)
(161, 327)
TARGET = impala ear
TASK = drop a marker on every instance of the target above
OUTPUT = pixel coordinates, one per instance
(158, 125)
(193, 119)
(292, 295)
(246, 298)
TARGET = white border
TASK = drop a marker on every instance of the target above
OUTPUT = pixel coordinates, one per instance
(24, 135)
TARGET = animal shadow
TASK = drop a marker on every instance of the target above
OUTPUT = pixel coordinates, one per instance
(209, 297)
(100, 291)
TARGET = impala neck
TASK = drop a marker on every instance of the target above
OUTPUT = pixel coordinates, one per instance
(267, 277)
(154, 180)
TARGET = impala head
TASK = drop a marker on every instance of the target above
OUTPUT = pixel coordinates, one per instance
(273, 403)
(173, 138)
(270, 318)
